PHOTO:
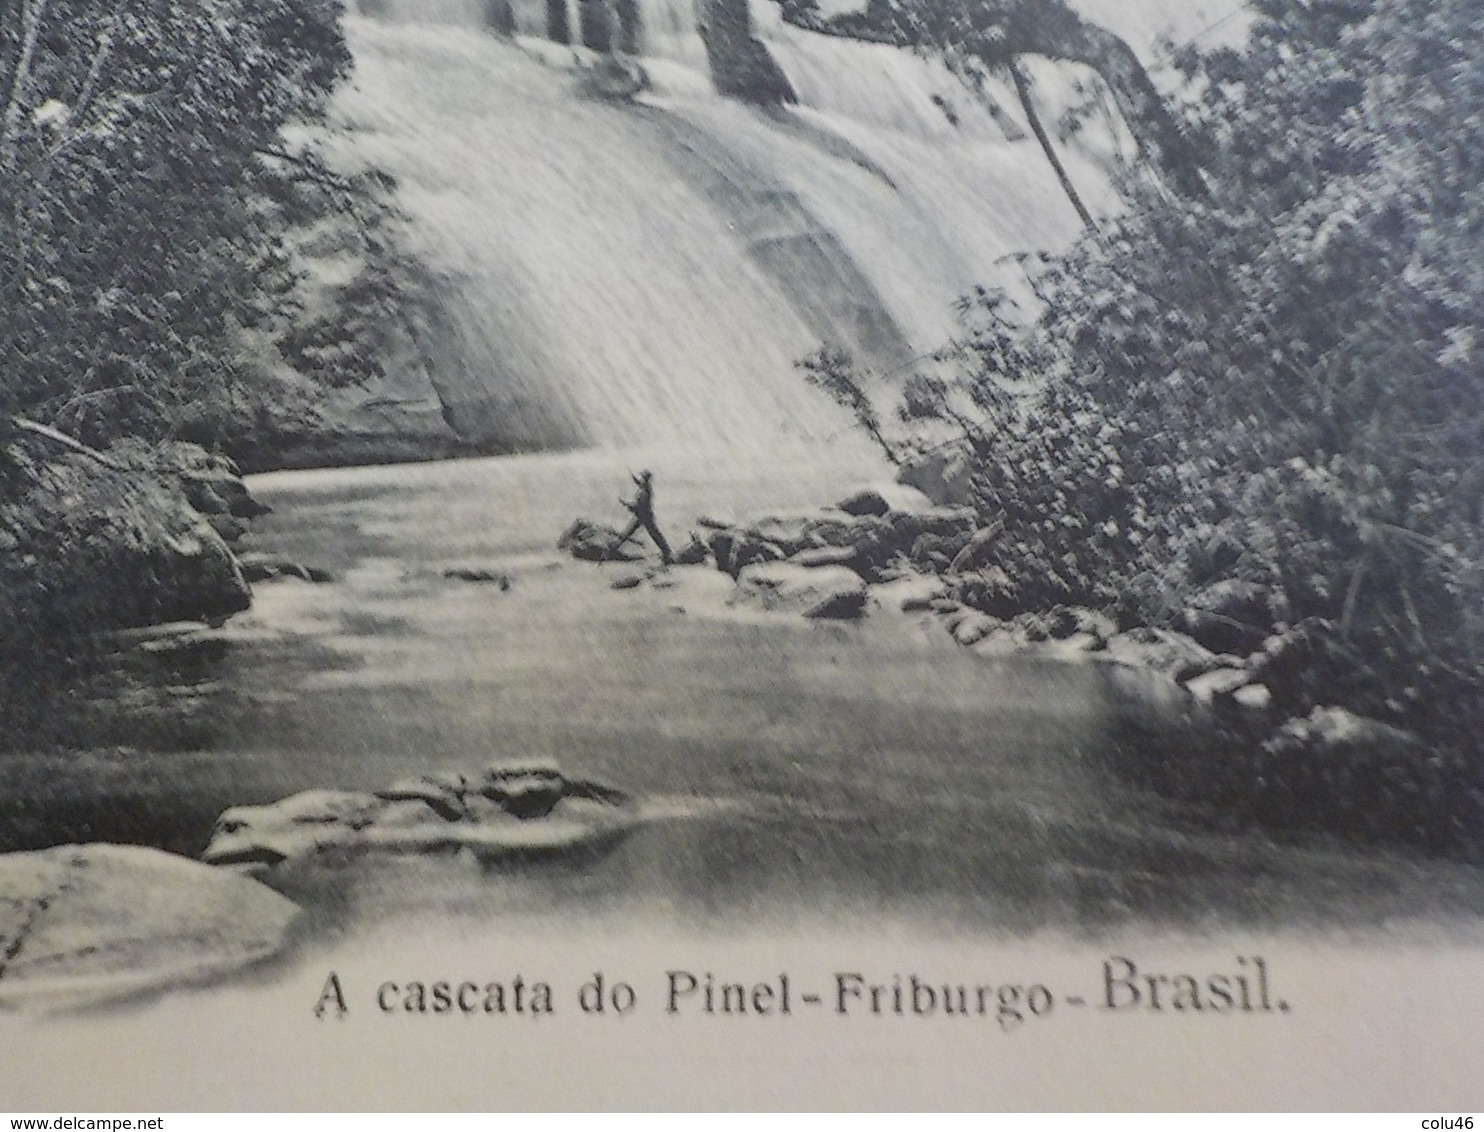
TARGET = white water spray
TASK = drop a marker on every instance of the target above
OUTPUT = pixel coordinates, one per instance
(620, 273)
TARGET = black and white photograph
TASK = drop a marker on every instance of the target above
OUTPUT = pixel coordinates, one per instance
(739, 554)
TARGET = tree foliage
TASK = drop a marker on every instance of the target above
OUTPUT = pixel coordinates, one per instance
(1264, 408)
(147, 178)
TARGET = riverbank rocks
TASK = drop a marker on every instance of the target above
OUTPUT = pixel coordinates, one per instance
(867, 501)
(874, 545)
(821, 592)
(82, 925)
(264, 566)
(596, 542)
(1161, 650)
(514, 810)
(817, 564)
(1331, 733)
(87, 545)
(910, 592)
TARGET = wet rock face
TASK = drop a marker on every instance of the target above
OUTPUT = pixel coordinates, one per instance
(876, 543)
(741, 65)
(88, 546)
(87, 924)
(945, 476)
(509, 810)
(823, 592)
(596, 542)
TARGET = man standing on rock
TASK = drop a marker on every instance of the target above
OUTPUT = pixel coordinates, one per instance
(642, 508)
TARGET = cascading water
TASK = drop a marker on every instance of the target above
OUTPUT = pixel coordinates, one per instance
(617, 272)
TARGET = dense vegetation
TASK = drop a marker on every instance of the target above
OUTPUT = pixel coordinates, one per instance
(154, 170)
(1257, 409)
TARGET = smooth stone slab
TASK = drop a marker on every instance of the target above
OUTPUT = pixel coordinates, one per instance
(526, 808)
(87, 924)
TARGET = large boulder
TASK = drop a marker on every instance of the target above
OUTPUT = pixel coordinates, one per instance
(827, 592)
(86, 924)
(87, 546)
(1161, 650)
(210, 482)
(946, 476)
(520, 809)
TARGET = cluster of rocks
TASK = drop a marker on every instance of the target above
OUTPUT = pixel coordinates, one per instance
(1241, 689)
(938, 559)
(525, 809)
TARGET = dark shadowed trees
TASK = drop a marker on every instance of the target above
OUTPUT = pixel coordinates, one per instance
(146, 182)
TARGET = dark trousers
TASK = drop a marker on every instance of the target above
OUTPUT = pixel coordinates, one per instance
(646, 521)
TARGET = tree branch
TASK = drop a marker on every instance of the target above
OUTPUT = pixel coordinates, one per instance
(1027, 104)
(10, 124)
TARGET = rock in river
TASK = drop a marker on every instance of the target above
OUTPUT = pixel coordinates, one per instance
(524, 808)
(831, 592)
(85, 924)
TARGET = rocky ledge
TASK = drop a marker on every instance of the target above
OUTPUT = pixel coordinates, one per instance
(519, 810)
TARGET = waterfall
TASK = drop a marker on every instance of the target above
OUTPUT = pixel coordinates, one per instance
(459, 13)
(613, 272)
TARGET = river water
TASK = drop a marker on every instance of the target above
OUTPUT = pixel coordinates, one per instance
(608, 273)
(867, 773)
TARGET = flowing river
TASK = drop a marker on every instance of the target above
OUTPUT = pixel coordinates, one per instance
(821, 773)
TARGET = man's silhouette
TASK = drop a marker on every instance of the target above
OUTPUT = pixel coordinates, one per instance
(642, 508)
